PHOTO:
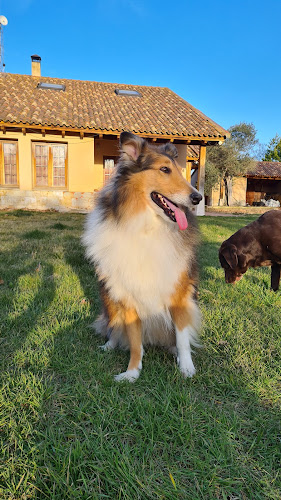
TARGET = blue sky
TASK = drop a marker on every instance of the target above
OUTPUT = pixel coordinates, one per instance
(223, 57)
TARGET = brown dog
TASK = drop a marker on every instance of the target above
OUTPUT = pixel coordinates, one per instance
(257, 244)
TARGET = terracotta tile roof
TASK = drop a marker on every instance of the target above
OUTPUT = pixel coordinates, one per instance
(95, 106)
(266, 169)
(192, 151)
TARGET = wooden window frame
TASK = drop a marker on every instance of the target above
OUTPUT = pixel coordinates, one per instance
(2, 165)
(50, 165)
(108, 157)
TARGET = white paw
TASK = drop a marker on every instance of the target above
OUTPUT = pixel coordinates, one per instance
(187, 369)
(108, 346)
(188, 372)
(130, 375)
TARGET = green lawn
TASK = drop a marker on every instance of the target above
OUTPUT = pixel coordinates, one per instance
(68, 431)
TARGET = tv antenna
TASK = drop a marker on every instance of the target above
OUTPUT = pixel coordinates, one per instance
(3, 22)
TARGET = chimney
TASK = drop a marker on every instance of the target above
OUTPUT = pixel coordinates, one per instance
(35, 65)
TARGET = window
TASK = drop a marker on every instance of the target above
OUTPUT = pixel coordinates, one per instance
(109, 163)
(50, 164)
(128, 92)
(50, 86)
(9, 163)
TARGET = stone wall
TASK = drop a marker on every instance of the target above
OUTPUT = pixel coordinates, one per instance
(60, 200)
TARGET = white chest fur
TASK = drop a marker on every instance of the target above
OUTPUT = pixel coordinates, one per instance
(141, 260)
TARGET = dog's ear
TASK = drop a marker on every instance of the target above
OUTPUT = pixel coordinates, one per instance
(131, 144)
(170, 150)
(242, 259)
(230, 255)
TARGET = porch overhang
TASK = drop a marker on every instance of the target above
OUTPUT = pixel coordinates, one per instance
(202, 140)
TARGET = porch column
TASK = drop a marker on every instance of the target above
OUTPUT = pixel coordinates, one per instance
(200, 209)
(188, 171)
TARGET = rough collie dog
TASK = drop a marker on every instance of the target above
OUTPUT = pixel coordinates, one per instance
(142, 238)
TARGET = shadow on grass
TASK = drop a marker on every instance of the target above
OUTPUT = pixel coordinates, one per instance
(21, 213)
(163, 437)
(61, 227)
(212, 434)
(74, 255)
(36, 234)
(20, 314)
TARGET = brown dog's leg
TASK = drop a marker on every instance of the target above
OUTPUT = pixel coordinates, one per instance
(275, 276)
(134, 333)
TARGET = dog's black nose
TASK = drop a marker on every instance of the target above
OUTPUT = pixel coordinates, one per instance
(195, 198)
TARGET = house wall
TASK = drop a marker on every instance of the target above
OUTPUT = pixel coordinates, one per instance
(181, 159)
(84, 173)
(239, 188)
(82, 177)
(214, 199)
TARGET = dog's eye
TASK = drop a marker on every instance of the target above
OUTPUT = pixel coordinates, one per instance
(166, 170)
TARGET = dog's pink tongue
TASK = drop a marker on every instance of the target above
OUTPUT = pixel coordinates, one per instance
(179, 215)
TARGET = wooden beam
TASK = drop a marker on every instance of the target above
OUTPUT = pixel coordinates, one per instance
(182, 138)
(100, 136)
(23, 130)
(221, 190)
(263, 178)
(188, 171)
(81, 135)
(200, 209)
(3, 129)
(43, 131)
(63, 134)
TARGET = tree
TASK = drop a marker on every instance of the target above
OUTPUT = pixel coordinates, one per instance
(273, 152)
(233, 158)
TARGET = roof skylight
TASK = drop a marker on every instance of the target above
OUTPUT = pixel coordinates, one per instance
(128, 92)
(51, 86)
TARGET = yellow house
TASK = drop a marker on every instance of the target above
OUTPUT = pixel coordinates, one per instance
(59, 138)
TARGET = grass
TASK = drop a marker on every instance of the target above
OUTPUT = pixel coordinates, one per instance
(68, 431)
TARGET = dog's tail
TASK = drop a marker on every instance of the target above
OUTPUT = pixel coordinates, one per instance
(100, 326)
(115, 333)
